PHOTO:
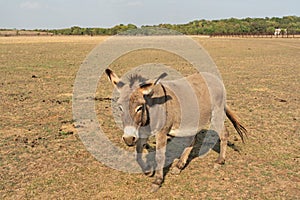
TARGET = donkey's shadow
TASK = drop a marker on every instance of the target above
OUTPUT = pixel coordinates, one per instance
(205, 141)
(201, 148)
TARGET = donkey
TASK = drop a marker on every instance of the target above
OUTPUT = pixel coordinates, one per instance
(155, 108)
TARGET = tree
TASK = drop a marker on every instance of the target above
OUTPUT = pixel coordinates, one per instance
(207, 27)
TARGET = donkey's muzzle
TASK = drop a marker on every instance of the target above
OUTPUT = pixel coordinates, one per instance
(130, 140)
(130, 135)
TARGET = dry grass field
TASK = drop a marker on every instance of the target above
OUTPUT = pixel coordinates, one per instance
(42, 157)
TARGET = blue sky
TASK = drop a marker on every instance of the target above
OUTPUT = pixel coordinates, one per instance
(48, 14)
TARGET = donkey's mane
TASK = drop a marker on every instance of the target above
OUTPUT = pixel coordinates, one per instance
(136, 78)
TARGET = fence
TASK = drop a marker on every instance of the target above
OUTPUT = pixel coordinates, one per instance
(259, 35)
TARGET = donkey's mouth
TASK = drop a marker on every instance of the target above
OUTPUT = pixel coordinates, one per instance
(130, 145)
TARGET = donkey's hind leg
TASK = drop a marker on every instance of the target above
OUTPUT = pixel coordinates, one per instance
(217, 125)
(223, 145)
(183, 158)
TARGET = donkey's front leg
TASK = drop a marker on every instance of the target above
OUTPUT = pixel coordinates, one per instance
(161, 142)
(141, 143)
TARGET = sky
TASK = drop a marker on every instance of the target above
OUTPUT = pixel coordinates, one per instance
(53, 14)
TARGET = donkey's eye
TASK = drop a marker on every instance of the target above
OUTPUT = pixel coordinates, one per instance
(121, 108)
(139, 108)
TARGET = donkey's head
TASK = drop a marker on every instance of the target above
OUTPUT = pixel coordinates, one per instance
(133, 103)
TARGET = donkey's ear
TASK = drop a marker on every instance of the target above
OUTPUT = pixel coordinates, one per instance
(115, 80)
(147, 88)
(163, 75)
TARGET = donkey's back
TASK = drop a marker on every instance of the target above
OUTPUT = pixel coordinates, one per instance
(194, 98)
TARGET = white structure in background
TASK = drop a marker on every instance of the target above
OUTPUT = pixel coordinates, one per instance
(279, 31)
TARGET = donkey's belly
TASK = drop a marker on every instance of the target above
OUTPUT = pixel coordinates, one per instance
(183, 133)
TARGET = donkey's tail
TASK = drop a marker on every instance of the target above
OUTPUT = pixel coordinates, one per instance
(242, 131)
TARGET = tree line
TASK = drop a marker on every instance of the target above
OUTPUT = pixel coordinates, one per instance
(76, 30)
(232, 26)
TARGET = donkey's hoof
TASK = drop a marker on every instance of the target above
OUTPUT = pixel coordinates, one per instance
(175, 171)
(180, 164)
(219, 162)
(149, 173)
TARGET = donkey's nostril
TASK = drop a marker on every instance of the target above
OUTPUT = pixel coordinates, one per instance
(130, 141)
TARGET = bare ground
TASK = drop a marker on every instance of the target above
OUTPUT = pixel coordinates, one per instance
(42, 156)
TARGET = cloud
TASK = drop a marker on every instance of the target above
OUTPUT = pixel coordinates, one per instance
(30, 5)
